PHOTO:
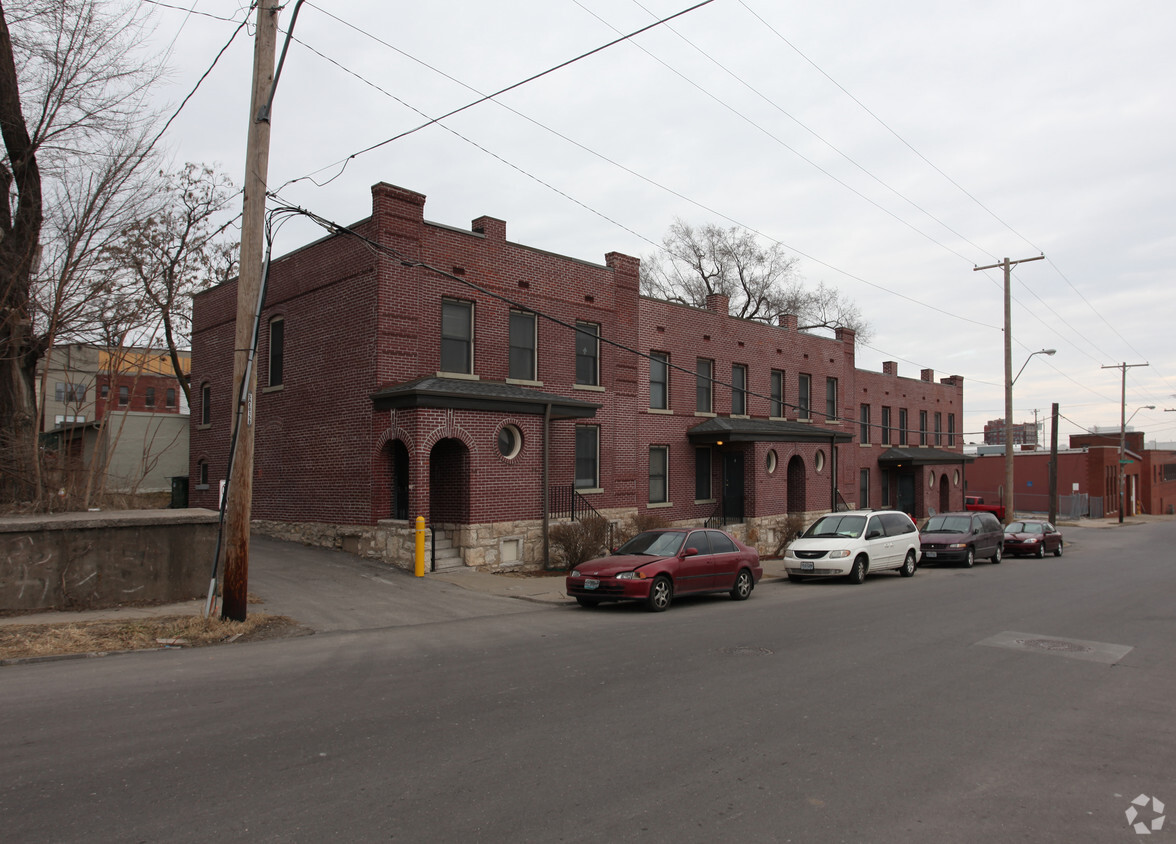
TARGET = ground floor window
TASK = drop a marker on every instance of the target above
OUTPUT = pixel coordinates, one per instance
(864, 488)
(659, 474)
(702, 474)
(587, 457)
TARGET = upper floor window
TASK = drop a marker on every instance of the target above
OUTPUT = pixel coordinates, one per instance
(705, 378)
(951, 429)
(69, 392)
(587, 457)
(457, 336)
(659, 380)
(206, 404)
(170, 397)
(938, 428)
(588, 354)
(104, 391)
(124, 395)
(865, 423)
(922, 427)
(659, 474)
(804, 392)
(777, 406)
(902, 426)
(885, 426)
(522, 346)
(831, 399)
(277, 350)
(150, 397)
(738, 390)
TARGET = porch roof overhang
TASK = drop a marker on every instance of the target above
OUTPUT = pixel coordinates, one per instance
(494, 396)
(921, 457)
(725, 429)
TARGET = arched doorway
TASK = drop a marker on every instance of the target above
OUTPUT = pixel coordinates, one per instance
(796, 485)
(449, 483)
(400, 480)
(944, 494)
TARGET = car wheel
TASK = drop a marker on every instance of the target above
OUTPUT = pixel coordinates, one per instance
(1040, 551)
(661, 594)
(588, 602)
(997, 556)
(743, 586)
(795, 578)
(908, 565)
(857, 574)
(1058, 550)
(970, 559)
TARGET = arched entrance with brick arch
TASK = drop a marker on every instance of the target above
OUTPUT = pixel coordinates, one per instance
(796, 485)
(449, 482)
(944, 494)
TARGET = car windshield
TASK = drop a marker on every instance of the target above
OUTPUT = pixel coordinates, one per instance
(654, 543)
(1024, 527)
(948, 524)
(848, 527)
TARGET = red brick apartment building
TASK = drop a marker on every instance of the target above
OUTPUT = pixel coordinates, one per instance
(388, 390)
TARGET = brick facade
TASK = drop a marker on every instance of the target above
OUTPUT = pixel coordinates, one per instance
(366, 431)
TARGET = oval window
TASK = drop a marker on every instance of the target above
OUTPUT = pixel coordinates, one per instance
(955, 479)
(820, 461)
(510, 441)
(931, 480)
(772, 460)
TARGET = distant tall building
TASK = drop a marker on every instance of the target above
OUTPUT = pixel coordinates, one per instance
(1023, 434)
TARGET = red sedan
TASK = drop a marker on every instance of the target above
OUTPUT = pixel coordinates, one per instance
(656, 565)
(1032, 537)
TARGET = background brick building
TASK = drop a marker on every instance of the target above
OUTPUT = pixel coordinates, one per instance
(456, 375)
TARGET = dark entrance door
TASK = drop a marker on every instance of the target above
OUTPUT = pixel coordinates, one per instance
(906, 493)
(399, 480)
(733, 486)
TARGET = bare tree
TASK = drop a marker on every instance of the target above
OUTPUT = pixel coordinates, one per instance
(178, 251)
(760, 282)
(73, 88)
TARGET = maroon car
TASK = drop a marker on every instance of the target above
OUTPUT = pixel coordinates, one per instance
(656, 565)
(1032, 537)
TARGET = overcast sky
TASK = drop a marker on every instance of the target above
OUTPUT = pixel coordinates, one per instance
(892, 146)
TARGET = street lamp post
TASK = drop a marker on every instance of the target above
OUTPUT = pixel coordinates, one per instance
(1009, 382)
(1123, 454)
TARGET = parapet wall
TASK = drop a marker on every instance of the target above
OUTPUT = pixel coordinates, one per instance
(82, 561)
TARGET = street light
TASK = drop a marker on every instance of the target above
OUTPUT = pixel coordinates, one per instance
(1122, 459)
(1009, 425)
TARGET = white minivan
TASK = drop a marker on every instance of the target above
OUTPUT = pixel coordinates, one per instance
(854, 543)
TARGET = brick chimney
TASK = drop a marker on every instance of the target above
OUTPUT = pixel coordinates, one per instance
(491, 227)
(718, 303)
(928, 374)
(890, 367)
(789, 322)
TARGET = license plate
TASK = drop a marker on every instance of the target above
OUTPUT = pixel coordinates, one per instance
(929, 554)
(591, 583)
(807, 566)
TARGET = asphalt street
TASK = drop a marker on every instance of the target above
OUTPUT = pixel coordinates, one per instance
(1029, 701)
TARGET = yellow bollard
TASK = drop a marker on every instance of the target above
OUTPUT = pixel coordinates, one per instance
(420, 546)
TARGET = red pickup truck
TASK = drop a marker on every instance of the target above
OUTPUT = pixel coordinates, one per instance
(975, 502)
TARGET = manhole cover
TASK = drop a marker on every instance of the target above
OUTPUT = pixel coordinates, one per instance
(744, 650)
(1054, 645)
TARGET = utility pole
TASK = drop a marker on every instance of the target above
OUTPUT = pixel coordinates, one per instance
(238, 505)
(1007, 266)
(1053, 467)
(1123, 434)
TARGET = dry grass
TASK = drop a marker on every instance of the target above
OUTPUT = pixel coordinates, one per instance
(21, 641)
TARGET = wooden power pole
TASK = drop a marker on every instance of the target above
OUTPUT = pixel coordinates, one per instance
(1007, 266)
(239, 496)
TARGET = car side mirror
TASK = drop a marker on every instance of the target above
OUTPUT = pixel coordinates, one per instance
(873, 534)
(690, 552)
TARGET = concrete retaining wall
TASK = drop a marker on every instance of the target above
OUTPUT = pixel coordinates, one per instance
(79, 561)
